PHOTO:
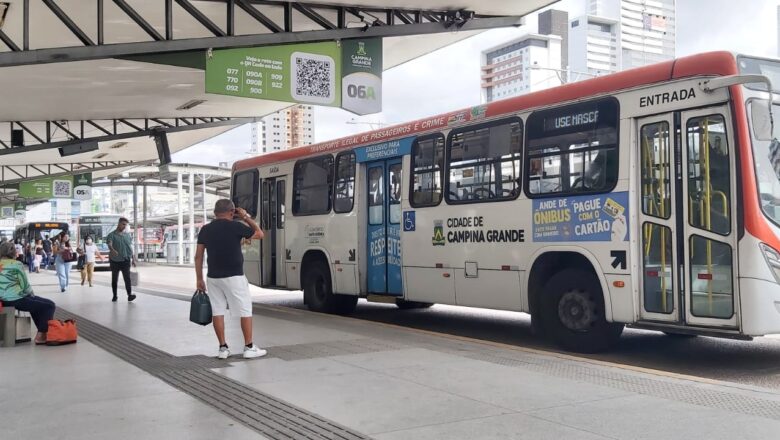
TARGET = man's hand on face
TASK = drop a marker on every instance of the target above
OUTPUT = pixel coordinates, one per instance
(241, 212)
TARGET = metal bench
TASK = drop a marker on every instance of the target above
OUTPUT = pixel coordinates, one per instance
(8, 326)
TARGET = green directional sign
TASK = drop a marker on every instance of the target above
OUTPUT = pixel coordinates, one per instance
(82, 186)
(346, 74)
(361, 82)
(47, 188)
(307, 73)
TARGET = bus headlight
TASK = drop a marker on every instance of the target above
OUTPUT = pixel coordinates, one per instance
(772, 259)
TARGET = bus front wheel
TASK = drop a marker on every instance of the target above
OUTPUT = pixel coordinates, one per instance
(573, 312)
(318, 289)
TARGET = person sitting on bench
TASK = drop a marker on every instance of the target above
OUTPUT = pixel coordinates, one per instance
(15, 291)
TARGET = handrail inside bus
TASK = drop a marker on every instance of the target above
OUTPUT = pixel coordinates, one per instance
(710, 85)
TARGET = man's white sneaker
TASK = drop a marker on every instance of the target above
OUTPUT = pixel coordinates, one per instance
(254, 352)
(224, 353)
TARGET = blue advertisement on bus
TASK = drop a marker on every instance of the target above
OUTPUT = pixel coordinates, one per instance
(602, 217)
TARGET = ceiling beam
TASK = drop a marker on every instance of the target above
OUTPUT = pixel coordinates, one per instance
(445, 22)
(131, 131)
(13, 174)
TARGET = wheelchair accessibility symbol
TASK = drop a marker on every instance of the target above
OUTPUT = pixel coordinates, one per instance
(409, 221)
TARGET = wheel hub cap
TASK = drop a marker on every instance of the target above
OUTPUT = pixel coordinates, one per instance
(576, 311)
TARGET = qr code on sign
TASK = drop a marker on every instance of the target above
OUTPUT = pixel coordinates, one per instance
(62, 188)
(313, 78)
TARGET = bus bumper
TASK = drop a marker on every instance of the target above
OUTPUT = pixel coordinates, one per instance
(760, 307)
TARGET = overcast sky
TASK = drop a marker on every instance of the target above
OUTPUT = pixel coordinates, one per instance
(448, 79)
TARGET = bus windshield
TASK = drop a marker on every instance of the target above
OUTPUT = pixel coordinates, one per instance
(98, 234)
(766, 155)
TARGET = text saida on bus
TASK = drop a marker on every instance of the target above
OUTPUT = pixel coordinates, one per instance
(648, 197)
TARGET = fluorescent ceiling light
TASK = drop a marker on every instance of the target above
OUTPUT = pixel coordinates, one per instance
(78, 148)
(100, 155)
(190, 104)
(118, 145)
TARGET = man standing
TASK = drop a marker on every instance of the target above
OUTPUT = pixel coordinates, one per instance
(46, 252)
(120, 256)
(227, 285)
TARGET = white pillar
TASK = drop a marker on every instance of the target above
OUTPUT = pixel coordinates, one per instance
(135, 221)
(146, 247)
(205, 208)
(191, 243)
(181, 220)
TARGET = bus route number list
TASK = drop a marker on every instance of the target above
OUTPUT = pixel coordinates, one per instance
(255, 76)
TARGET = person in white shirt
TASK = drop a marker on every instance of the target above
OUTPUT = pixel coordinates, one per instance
(91, 253)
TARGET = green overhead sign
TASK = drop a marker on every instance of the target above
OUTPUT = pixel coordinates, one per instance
(56, 187)
(344, 74)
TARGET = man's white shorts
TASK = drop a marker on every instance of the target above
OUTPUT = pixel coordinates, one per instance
(232, 291)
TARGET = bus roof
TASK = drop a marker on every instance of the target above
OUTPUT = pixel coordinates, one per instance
(710, 63)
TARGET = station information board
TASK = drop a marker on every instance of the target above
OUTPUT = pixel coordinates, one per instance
(339, 74)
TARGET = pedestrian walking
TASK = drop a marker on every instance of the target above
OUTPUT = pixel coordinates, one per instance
(120, 257)
(46, 252)
(64, 256)
(225, 282)
(38, 256)
(91, 253)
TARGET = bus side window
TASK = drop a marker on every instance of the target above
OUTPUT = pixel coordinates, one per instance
(344, 196)
(245, 187)
(427, 166)
(573, 149)
(484, 162)
(313, 185)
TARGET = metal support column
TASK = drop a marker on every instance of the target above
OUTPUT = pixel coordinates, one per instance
(180, 240)
(146, 247)
(192, 239)
(135, 222)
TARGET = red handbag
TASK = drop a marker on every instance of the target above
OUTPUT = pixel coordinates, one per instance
(62, 332)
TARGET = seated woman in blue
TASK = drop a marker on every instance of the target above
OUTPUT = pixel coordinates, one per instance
(15, 291)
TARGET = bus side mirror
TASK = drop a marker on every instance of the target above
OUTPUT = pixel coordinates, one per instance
(761, 120)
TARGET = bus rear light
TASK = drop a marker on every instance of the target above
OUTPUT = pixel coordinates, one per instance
(439, 265)
(505, 268)
(619, 284)
(704, 276)
(445, 275)
(772, 259)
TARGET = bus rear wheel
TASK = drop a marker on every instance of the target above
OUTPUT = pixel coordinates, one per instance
(408, 305)
(573, 313)
(318, 290)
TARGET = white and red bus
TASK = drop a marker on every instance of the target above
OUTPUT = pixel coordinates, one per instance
(648, 197)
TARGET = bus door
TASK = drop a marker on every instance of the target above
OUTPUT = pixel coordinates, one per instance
(686, 218)
(273, 193)
(383, 188)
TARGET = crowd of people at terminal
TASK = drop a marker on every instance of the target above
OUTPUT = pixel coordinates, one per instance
(59, 253)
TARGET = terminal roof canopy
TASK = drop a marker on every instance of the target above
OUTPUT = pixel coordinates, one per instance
(103, 80)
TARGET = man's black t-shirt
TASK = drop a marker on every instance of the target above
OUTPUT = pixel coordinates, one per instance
(222, 239)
